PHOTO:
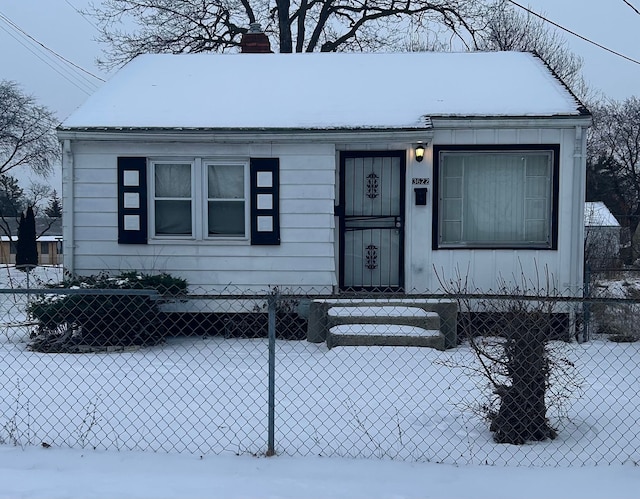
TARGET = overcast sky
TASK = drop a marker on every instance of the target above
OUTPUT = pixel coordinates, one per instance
(56, 24)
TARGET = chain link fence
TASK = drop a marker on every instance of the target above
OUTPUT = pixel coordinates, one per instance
(539, 380)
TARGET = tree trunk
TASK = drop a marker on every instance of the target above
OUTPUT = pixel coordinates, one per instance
(284, 25)
(522, 415)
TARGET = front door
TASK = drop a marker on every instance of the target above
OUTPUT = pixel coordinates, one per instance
(371, 214)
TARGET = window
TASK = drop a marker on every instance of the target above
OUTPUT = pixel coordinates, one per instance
(498, 197)
(173, 199)
(226, 200)
(199, 199)
(44, 248)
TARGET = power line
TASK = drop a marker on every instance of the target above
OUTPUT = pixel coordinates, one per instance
(574, 33)
(77, 79)
(71, 78)
(16, 27)
(629, 4)
(82, 14)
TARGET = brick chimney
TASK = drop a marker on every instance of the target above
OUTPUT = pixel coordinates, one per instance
(255, 41)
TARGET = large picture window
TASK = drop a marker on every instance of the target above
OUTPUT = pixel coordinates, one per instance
(495, 197)
(199, 199)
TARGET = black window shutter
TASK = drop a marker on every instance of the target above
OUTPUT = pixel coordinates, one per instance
(265, 201)
(132, 200)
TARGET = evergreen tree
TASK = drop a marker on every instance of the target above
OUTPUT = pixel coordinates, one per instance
(54, 208)
(12, 198)
(26, 249)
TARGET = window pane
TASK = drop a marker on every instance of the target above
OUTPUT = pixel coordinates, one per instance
(536, 209)
(455, 165)
(536, 230)
(537, 187)
(453, 209)
(173, 180)
(226, 218)
(453, 187)
(495, 198)
(226, 181)
(452, 231)
(173, 217)
(538, 165)
(44, 247)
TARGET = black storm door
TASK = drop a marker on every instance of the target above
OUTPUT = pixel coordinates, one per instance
(372, 220)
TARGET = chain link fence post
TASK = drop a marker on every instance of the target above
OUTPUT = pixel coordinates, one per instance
(586, 305)
(272, 302)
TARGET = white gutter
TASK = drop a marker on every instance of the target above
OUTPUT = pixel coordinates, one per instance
(576, 271)
(68, 222)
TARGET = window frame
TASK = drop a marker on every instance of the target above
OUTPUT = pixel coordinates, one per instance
(553, 149)
(199, 199)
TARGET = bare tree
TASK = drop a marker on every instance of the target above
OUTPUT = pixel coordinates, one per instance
(27, 132)
(613, 162)
(36, 195)
(510, 29)
(12, 204)
(294, 26)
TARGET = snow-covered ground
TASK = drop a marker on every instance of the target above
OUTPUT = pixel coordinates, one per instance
(112, 425)
(36, 473)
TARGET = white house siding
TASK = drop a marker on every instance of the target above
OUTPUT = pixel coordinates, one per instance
(307, 258)
(484, 268)
(304, 259)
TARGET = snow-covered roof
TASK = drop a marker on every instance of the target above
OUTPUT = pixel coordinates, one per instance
(322, 90)
(596, 214)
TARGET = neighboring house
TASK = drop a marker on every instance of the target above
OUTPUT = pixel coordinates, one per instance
(328, 171)
(601, 238)
(49, 243)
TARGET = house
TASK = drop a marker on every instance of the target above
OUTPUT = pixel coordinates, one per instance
(602, 237)
(48, 242)
(321, 172)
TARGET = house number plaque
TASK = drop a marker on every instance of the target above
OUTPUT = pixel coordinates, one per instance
(420, 181)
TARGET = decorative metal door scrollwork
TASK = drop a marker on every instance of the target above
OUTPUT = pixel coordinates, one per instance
(371, 257)
(372, 186)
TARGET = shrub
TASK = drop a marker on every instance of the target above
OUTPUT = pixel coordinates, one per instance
(99, 318)
(523, 370)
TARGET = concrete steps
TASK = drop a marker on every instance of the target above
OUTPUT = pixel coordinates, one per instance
(420, 323)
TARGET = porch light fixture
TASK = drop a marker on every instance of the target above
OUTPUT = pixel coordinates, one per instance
(419, 153)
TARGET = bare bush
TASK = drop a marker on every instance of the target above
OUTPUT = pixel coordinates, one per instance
(518, 355)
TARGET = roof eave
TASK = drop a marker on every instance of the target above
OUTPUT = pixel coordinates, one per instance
(244, 134)
(512, 121)
(335, 134)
